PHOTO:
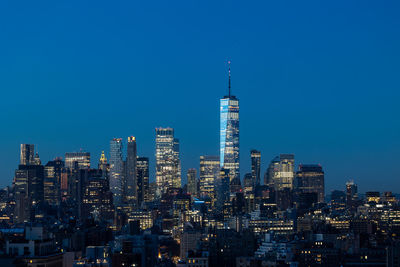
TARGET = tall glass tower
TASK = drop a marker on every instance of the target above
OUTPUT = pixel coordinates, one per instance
(255, 166)
(116, 170)
(27, 154)
(130, 182)
(229, 134)
(209, 172)
(168, 166)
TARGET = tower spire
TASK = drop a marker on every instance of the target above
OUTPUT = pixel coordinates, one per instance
(229, 71)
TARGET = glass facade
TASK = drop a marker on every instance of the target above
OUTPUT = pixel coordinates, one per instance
(130, 184)
(116, 170)
(209, 172)
(192, 182)
(310, 179)
(255, 166)
(280, 173)
(143, 179)
(77, 160)
(168, 166)
(229, 136)
(27, 154)
(52, 181)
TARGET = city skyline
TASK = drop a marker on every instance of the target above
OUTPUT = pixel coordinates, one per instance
(93, 159)
(324, 91)
(199, 133)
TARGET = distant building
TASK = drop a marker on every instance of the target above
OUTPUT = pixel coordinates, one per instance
(97, 199)
(248, 183)
(222, 189)
(310, 179)
(130, 183)
(136, 250)
(189, 240)
(143, 179)
(280, 172)
(209, 172)
(229, 135)
(27, 153)
(152, 191)
(255, 166)
(227, 244)
(338, 200)
(28, 190)
(103, 164)
(77, 160)
(52, 181)
(373, 196)
(168, 166)
(116, 170)
(351, 194)
(192, 182)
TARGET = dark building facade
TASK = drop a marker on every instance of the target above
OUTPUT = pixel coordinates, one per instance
(310, 179)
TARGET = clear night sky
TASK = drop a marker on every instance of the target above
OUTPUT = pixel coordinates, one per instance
(316, 78)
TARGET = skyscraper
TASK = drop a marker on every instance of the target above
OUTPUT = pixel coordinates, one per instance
(142, 167)
(52, 181)
(351, 193)
(310, 179)
(248, 183)
(229, 135)
(130, 184)
(28, 190)
(192, 182)
(168, 166)
(222, 188)
(96, 196)
(103, 165)
(116, 170)
(255, 166)
(27, 153)
(209, 172)
(177, 182)
(77, 160)
(280, 172)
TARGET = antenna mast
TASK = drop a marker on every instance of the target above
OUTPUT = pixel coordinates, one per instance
(229, 70)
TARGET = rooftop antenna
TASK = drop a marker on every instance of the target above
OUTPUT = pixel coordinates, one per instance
(229, 71)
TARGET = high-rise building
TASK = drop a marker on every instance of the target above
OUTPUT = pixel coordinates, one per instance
(338, 200)
(177, 182)
(248, 183)
(34, 176)
(116, 170)
(97, 198)
(280, 172)
(209, 172)
(229, 135)
(222, 189)
(28, 190)
(52, 181)
(77, 160)
(310, 179)
(192, 182)
(130, 188)
(255, 166)
(103, 165)
(351, 193)
(142, 167)
(27, 154)
(168, 166)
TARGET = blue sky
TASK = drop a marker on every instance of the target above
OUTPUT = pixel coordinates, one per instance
(319, 79)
